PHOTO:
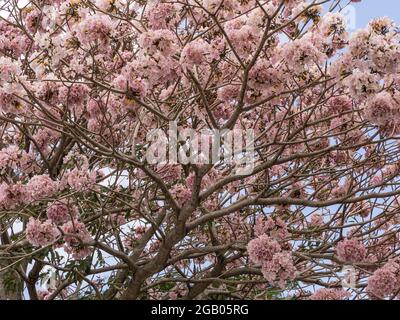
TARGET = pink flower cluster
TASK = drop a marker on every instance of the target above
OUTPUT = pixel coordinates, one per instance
(14, 158)
(262, 249)
(148, 71)
(379, 109)
(263, 76)
(13, 195)
(76, 239)
(131, 240)
(274, 227)
(301, 54)
(128, 81)
(41, 233)
(330, 294)
(94, 28)
(169, 172)
(385, 281)
(243, 36)
(382, 110)
(41, 186)
(181, 193)
(276, 265)
(340, 104)
(279, 269)
(61, 211)
(8, 69)
(158, 41)
(48, 91)
(9, 103)
(12, 40)
(76, 236)
(332, 30)
(351, 251)
(74, 95)
(45, 139)
(81, 179)
(162, 15)
(196, 53)
(363, 84)
(38, 187)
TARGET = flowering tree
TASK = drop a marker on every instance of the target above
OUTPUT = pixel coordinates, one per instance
(84, 214)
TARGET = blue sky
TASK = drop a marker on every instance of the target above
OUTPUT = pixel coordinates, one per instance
(369, 9)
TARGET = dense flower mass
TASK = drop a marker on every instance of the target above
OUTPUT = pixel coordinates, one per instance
(263, 249)
(381, 109)
(61, 211)
(330, 294)
(385, 281)
(13, 195)
(351, 250)
(279, 269)
(282, 88)
(41, 186)
(76, 238)
(41, 233)
(276, 264)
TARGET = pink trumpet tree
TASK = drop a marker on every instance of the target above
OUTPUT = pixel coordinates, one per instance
(84, 213)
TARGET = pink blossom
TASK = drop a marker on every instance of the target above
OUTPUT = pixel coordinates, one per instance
(263, 75)
(302, 53)
(228, 93)
(330, 294)
(48, 91)
(8, 69)
(196, 53)
(170, 172)
(274, 227)
(44, 139)
(13, 157)
(262, 249)
(8, 102)
(74, 95)
(351, 250)
(243, 36)
(279, 269)
(42, 186)
(162, 41)
(385, 281)
(133, 85)
(162, 15)
(12, 39)
(340, 104)
(81, 179)
(61, 211)
(380, 109)
(76, 239)
(41, 233)
(33, 20)
(94, 28)
(181, 193)
(13, 195)
(363, 84)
